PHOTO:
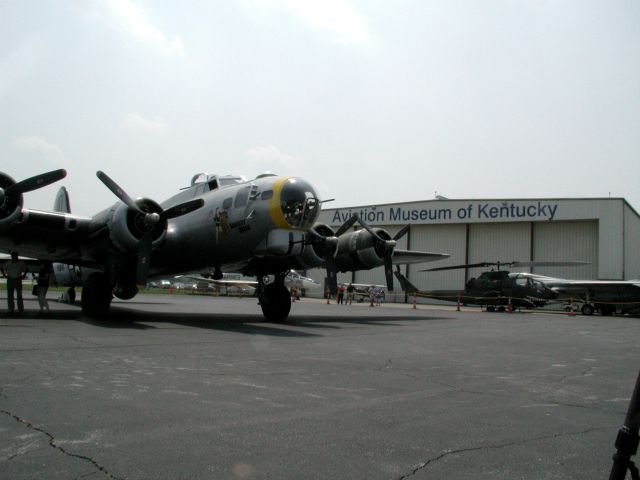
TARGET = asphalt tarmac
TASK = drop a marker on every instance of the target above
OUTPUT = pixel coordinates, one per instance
(182, 387)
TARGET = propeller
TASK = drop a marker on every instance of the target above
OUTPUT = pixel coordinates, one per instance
(147, 221)
(384, 248)
(31, 183)
(327, 246)
(533, 263)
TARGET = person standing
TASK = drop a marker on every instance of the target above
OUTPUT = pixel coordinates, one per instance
(42, 287)
(340, 294)
(350, 290)
(16, 271)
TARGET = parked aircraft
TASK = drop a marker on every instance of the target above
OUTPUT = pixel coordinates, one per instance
(494, 289)
(498, 289)
(262, 227)
(292, 279)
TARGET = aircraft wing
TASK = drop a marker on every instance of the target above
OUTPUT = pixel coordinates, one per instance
(52, 236)
(33, 265)
(412, 256)
(222, 282)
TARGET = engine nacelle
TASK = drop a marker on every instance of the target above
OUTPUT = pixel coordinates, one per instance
(312, 256)
(126, 226)
(10, 205)
(358, 250)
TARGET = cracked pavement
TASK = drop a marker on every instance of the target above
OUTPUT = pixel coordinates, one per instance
(200, 388)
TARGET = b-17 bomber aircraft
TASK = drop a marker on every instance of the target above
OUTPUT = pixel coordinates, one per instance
(263, 227)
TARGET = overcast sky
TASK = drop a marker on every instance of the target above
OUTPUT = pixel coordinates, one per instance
(371, 101)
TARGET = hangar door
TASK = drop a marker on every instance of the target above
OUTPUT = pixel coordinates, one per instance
(493, 242)
(451, 239)
(567, 241)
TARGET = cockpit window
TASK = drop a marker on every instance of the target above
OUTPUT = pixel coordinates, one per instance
(299, 203)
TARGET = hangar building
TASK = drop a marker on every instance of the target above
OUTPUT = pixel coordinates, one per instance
(602, 231)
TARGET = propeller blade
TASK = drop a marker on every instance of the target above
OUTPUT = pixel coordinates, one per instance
(347, 225)
(385, 245)
(144, 258)
(332, 273)
(182, 209)
(402, 232)
(118, 192)
(38, 181)
(388, 271)
(371, 231)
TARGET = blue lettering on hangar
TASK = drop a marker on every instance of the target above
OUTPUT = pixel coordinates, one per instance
(476, 211)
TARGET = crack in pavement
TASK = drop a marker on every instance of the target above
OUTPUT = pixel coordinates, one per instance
(52, 444)
(446, 453)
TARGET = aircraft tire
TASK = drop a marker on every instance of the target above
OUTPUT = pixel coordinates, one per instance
(276, 302)
(96, 296)
(587, 309)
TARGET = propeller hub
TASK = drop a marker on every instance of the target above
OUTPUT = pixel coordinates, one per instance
(151, 219)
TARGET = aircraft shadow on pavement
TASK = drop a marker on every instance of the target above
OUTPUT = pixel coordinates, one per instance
(122, 317)
(321, 321)
(228, 322)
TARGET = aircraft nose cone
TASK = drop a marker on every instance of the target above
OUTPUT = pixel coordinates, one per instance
(299, 203)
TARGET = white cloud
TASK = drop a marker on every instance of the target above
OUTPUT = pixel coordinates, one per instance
(50, 152)
(138, 122)
(134, 20)
(270, 158)
(337, 16)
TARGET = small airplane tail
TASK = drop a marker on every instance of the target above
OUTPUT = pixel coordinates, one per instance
(61, 203)
(405, 284)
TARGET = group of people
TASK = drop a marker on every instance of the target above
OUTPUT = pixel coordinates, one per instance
(16, 271)
(349, 290)
(376, 294)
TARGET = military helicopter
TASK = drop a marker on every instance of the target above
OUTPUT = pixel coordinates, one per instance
(497, 289)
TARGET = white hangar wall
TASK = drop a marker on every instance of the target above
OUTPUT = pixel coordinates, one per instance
(604, 232)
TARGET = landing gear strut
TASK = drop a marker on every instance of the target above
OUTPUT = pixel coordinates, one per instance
(274, 298)
(96, 296)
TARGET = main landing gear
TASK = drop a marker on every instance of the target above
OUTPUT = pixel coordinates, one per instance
(274, 298)
(96, 296)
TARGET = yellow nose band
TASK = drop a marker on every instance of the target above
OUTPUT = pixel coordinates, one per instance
(275, 211)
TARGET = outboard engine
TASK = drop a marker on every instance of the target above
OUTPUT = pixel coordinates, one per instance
(10, 203)
(360, 250)
(11, 200)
